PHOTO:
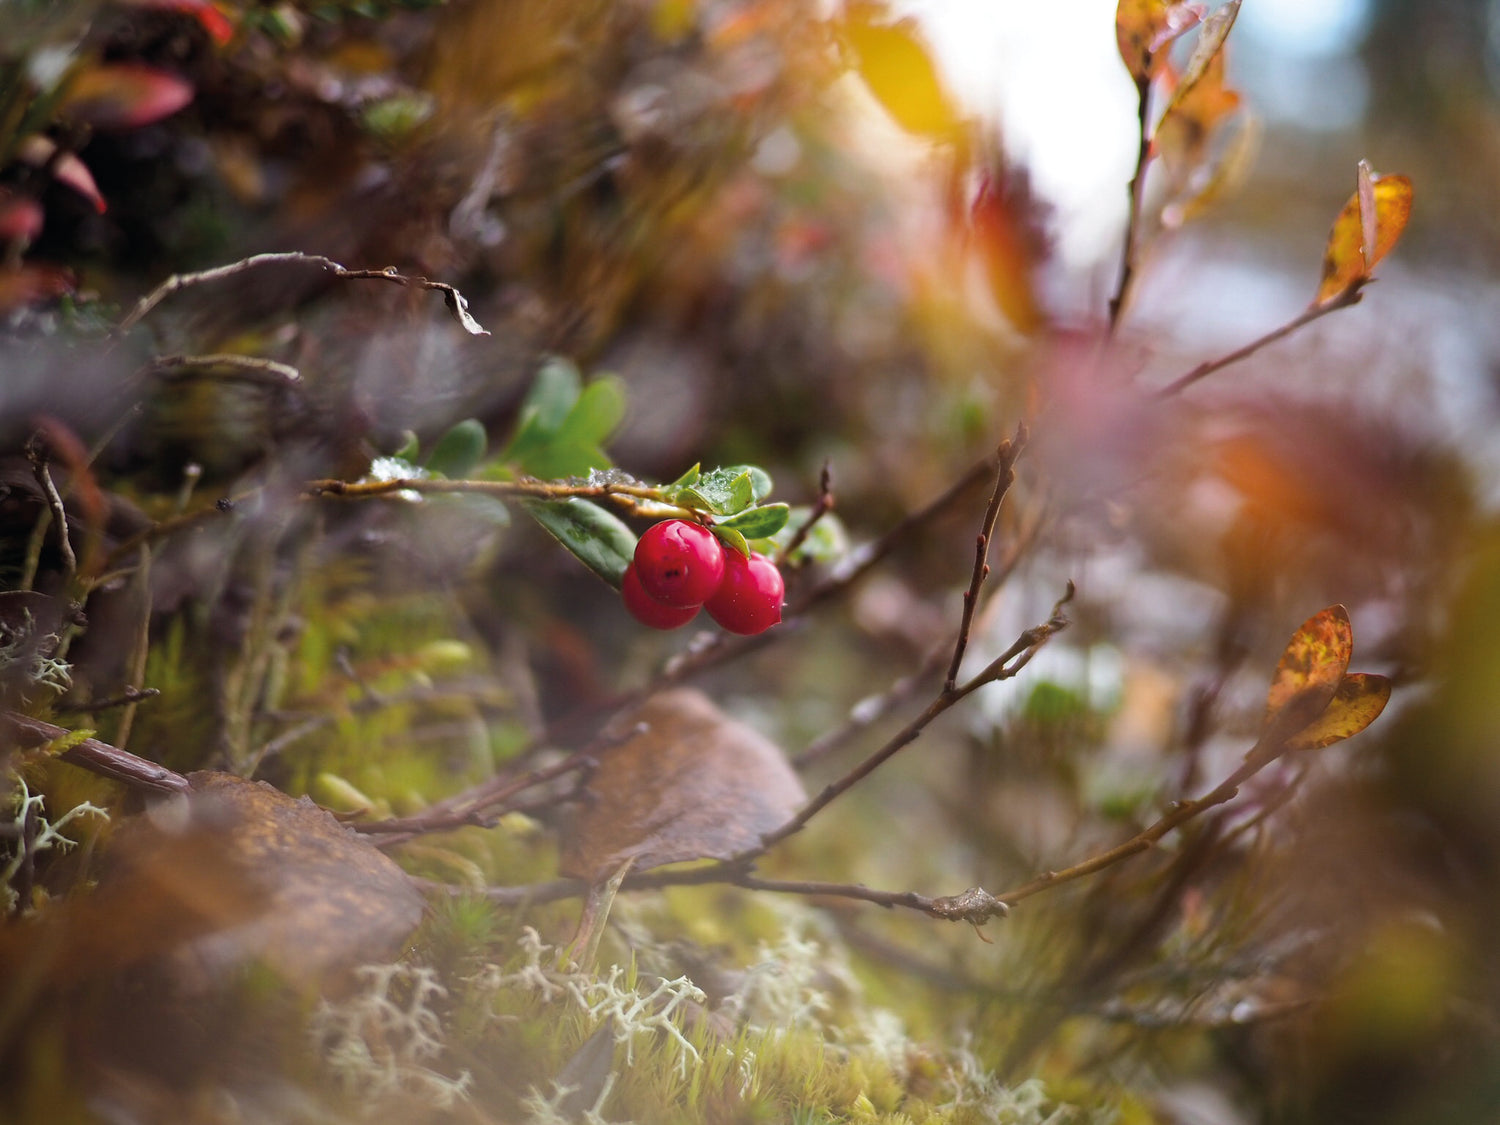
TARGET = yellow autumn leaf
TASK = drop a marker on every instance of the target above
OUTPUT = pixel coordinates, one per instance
(1357, 702)
(1144, 28)
(1351, 255)
(898, 70)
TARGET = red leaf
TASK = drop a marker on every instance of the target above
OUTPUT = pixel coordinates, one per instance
(20, 217)
(213, 21)
(37, 150)
(125, 95)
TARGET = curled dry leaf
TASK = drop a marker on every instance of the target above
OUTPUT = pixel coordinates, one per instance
(1358, 702)
(1354, 246)
(684, 782)
(1144, 28)
(1309, 673)
(330, 900)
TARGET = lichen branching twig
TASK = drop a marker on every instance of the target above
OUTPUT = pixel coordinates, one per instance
(457, 305)
(1348, 297)
(1137, 203)
(1008, 452)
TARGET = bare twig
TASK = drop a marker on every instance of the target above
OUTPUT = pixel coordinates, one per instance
(1008, 452)
(620, 492)
(1003, 667)
(1348, 297)
(1137, 203)
(97, 757)
(127, 696)
(54, 505)
(820, 509)
(457, 304)
(245, 368)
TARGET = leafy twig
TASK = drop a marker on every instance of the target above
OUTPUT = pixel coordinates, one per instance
(457, 304)
(1348, 297)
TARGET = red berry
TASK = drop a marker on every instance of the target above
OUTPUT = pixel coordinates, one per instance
(647, 610)
(679, 563)
(748, 601)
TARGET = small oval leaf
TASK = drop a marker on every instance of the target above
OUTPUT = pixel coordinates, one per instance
(595, 537)
(1352, 253)
(1357, 703)
(1309, 672)
(459, 450)
(898, 70)
(758, 523)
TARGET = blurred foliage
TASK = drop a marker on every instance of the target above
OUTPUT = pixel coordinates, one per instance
(744, 237)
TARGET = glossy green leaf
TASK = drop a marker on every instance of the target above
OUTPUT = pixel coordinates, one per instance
(759, 523)
(687, 480)
(722, 491)
(599, 409)
(760, 480)
(594, 536)
(459, 450)
(732, 538)
(544, 410)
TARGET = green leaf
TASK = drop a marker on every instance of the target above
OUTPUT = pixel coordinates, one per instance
(595, 537)
(411, 446)
(825, 542)
(459, 450)
(565, 458)
(546, 407)
(687, 480)
(760, 480)
(759, 523)
(732, 538)
(722, 491)
(599, 409)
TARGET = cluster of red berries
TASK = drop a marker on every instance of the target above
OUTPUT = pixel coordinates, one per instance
(682, 567)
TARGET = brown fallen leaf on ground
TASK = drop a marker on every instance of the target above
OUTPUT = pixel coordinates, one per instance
(690, 784)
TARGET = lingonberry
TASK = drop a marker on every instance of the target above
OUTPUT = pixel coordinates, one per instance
(679, 563)
(647, 610)
(748, 601)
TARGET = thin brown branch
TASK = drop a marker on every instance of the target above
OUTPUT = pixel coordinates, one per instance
(1007, 454)
(1137, 193)
(823, 506)
(458, 306)
(127, 696)
(54, 505)
(1344, 300)
(1002, 668)
(628, 494)
(167, 527)
(95, 756)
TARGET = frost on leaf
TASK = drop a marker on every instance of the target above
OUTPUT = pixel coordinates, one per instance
(684, 782)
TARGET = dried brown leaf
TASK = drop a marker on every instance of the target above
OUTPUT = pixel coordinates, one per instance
(690, 783)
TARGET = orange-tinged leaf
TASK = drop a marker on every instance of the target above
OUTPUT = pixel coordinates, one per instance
(898, 70)
(1360, 698)
(1352, 250)
(125, 95)
(1309, 672)
(1206, 52)
(1182, 137)
(1001, 239)
(685, 782)
(1144, 28)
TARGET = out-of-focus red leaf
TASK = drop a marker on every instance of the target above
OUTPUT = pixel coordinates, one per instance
(32, 282)
(1001, 238)
(1144, 28)
(125, 95)
(898, 69)
(213, 21)
(37, 150)
(1357, 703)
(1352, 250)
(20, 217)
